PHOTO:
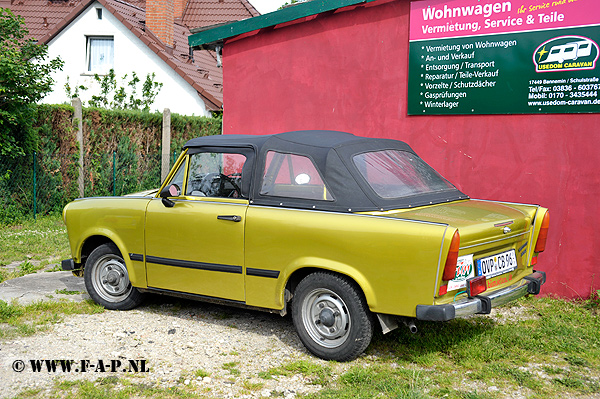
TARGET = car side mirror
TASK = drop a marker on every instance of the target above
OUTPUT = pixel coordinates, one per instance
(172, 190)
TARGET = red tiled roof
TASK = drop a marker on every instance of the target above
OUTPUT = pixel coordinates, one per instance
(210, 12)
(46, 18)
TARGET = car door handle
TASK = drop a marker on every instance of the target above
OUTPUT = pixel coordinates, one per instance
(231, 218)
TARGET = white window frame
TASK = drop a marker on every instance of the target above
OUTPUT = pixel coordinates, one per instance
(88, 58)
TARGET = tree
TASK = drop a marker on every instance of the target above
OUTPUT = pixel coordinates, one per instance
(25, 78)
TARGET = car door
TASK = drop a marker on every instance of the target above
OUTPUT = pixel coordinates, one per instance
(196, 246)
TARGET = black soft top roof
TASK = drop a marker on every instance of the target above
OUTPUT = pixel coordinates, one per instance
(332, 153)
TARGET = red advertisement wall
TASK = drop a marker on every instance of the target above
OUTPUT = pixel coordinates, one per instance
(348, 71)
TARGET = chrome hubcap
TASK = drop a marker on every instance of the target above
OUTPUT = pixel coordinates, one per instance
(326, 318)
(110, 279)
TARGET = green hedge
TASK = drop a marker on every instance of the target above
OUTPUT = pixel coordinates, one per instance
(122, 154)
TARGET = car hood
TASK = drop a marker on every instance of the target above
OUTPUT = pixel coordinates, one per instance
(147, 193)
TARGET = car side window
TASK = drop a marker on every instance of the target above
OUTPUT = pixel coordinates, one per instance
(214, 174)
(295, 176)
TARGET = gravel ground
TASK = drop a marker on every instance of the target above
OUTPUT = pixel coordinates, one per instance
(175, 342)
(217, 350)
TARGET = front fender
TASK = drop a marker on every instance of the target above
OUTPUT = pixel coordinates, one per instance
(118, 219)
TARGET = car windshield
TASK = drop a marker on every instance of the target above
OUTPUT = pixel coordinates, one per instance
(396, 174)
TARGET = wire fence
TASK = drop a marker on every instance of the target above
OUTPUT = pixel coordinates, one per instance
(41, 184)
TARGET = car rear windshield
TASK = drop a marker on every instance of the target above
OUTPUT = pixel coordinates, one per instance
(396, 174)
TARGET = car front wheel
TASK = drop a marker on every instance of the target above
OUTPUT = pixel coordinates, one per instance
(331, 316)
(107, 281)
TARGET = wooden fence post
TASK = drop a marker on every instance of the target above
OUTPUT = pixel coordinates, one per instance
(166, 144)
(78, 116)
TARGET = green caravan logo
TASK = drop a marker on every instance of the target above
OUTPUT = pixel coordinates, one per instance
(566, 53)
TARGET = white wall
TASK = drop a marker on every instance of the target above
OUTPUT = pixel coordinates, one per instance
(130, 54)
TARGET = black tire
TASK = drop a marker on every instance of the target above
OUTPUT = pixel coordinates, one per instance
(331, 316)
(107, 281)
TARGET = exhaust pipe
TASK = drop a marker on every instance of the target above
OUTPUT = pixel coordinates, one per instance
(412, 327)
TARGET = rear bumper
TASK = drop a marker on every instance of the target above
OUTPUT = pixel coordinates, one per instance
(482, 304)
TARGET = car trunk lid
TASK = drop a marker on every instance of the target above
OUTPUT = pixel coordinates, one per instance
(490, 233)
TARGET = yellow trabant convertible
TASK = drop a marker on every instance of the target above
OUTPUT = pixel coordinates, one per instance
(344, 232)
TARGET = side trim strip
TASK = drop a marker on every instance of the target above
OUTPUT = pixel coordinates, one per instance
(262, 273)
(194, 296)
(136, 257)
(194, 265)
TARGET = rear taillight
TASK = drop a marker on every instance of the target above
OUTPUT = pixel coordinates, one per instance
(450, 267)
(443, 290)
(540, 245)
(476, 286)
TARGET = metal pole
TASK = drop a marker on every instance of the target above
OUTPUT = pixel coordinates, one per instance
(34, 186)
(114, 173)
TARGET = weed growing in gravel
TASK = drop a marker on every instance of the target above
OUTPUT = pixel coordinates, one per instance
(64, 291)
(231, 368)
(119, 388)
(318, 374)
(201, 373)
(23, 320)
(252, 386)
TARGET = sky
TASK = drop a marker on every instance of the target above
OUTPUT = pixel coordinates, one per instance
(265, 6)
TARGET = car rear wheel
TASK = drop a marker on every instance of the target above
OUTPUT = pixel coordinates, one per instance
(107, 281)
(331, 316)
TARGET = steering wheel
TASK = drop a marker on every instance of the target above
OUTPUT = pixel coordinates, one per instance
(213, 185)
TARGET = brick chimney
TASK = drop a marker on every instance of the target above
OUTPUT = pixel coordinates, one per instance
(160, 15)
(180, 8)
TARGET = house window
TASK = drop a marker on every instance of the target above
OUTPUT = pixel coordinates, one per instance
(99, 13)
(100, 54)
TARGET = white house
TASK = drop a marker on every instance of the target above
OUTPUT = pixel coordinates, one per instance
(93, 36)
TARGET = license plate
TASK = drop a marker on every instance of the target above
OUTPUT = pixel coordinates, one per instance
(497, 264)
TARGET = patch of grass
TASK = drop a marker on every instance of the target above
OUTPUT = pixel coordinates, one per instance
(23, 269)
(577, 382)
(318, 374)
(574, 360)
(38, 239)
(29, 393)
(377, 381)
(201, 373)
(252, 386)
(231, 367)
(550, 370)
(24, 320)
(64, 291)
(119, 388)
(593, 303)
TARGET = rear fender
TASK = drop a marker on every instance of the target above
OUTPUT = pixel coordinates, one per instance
(313, 264)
